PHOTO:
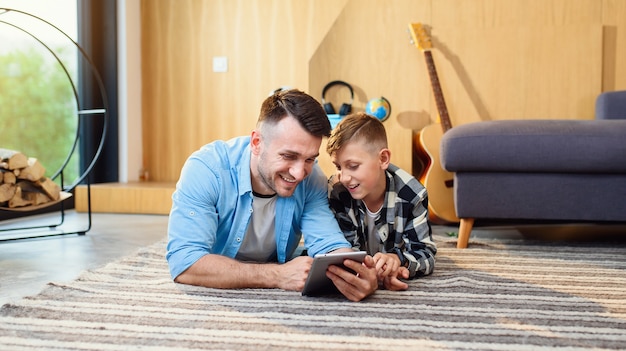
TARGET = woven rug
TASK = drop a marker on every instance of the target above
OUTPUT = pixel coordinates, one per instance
(494, 295)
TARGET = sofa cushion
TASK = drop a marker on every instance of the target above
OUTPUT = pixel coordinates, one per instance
(611, 105)
(551, 146)
(541, 196)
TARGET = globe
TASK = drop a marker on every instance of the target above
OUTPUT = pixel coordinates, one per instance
(379, 108)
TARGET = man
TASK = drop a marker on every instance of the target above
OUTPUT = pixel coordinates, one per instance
(241, 207)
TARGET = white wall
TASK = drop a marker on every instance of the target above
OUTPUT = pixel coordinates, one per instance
(129, 90)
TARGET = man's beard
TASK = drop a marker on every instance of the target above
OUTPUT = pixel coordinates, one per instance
(266, 177)
(269, 181)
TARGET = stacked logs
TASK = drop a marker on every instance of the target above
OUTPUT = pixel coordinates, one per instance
(22, 181)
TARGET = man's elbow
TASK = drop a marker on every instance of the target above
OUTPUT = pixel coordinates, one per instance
(180, 279)
(186, 278)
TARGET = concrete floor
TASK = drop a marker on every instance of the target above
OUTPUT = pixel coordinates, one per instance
(26, 266)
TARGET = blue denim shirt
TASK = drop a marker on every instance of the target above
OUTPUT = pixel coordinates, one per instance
(212, 206)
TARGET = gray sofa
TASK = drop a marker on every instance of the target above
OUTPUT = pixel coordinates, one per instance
(540, 170)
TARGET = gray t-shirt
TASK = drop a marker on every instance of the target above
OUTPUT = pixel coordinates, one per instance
(259, 244)
(374, 244)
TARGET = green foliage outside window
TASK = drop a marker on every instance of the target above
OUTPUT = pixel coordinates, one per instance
(38, 109)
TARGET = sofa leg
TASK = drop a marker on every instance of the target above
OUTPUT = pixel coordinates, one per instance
(465, 229)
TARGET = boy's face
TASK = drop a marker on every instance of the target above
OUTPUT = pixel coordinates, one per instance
(362, 171)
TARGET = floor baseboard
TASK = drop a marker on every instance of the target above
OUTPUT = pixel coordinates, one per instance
(132, 197)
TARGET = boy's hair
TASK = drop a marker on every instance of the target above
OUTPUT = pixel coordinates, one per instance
(358, 126)
(301, 106)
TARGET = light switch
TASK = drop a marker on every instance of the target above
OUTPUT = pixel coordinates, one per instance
(220, 64)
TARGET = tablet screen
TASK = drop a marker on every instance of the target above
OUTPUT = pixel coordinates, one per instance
(317, 283)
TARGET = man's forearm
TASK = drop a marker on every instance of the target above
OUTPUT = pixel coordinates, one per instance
(216, 271)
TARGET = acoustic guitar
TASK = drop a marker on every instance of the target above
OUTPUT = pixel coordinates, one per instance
(438, 182)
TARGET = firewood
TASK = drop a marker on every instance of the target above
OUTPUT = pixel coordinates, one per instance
(50, 188)
(37, 198)
(18, 200)
(7, 191)
(27, 194)
(23, 181)
(33, 172)
(27, 186)
(12, 159)
(9, 178)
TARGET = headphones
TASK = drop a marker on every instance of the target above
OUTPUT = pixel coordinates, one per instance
(345, 108)
(281, 89)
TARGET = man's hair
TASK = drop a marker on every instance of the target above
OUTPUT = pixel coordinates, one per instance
(299, 105)
(355, 127)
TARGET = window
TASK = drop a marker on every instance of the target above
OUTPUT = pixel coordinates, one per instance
(37, 67)
(48, 93)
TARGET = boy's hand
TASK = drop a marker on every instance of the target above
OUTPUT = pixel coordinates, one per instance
(387, 264)
(389, 271)
(393, 283)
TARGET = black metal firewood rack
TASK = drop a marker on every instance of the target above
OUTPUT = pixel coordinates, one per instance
(93, 115)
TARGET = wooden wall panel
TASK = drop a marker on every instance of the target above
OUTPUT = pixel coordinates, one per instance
(614, 49)
(518, 58)
(496, 60)
(513, 13)
(185, 104)
(519, 72)
(368, 47)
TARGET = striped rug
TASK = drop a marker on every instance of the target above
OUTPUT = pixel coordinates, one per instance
(494, 295)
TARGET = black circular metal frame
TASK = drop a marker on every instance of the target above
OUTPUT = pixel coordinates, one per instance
(83, 176)
(80, 110)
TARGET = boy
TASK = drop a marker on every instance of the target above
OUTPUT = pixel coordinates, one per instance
(380, 208)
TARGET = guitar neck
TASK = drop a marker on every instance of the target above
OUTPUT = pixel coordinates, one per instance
(439, 100)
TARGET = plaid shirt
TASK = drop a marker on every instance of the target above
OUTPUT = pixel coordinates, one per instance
(403, 222)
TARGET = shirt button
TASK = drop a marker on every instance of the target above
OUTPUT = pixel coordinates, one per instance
(192, 213)
(238, 240)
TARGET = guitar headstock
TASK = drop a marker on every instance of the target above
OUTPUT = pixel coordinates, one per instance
(419, 37)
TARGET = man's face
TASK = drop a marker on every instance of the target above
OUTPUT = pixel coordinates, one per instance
(282, 157)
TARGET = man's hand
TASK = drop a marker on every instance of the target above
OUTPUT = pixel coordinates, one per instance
(294, 273)
(356, 286)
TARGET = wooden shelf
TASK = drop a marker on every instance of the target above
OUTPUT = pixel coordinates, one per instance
(132, 197)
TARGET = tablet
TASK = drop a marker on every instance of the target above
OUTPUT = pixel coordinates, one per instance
(317, 282)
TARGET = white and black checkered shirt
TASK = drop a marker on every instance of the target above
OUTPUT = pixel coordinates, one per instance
(403, 222)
